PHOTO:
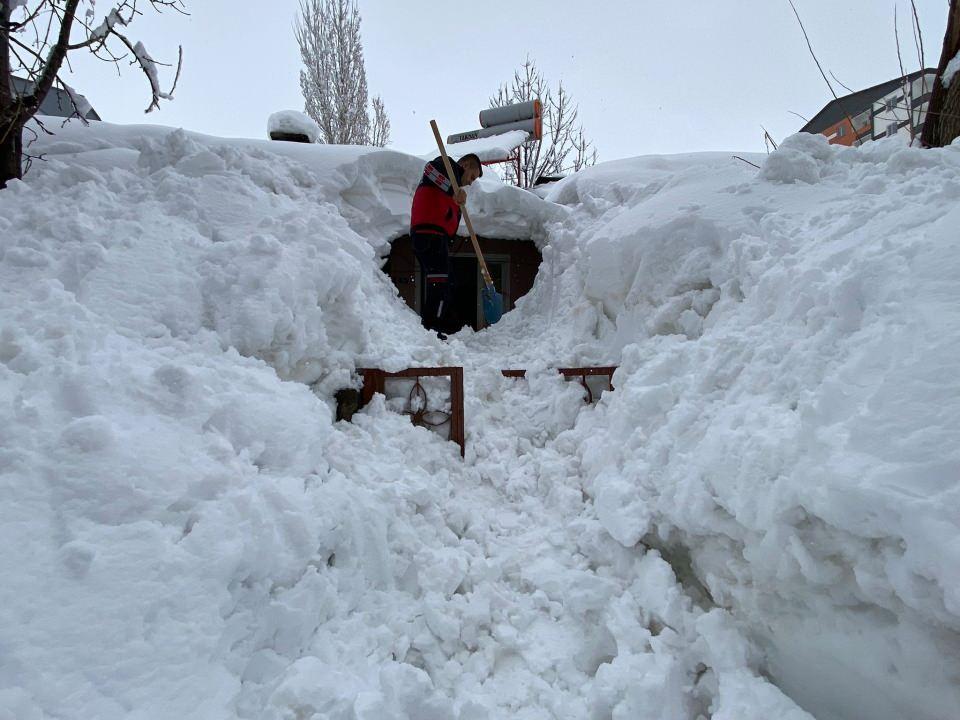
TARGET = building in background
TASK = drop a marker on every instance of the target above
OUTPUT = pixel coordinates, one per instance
(57, 103)
(884, 110)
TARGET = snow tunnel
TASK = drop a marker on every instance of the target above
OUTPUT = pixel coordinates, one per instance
(513, 265)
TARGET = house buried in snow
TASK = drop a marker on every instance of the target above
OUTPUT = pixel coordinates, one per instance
(884, 110)
(507, 219)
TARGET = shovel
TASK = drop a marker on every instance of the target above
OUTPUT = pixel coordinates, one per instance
(491, 300)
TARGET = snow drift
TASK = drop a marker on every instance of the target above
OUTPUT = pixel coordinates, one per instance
(770, 492)
(788, 402)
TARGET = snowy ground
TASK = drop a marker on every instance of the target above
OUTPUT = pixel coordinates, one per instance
(767, 504)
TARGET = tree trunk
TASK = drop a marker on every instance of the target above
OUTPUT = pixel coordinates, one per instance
(15, 111)
(942, 125)
(11, 143)
(950, 117)
(11, 152)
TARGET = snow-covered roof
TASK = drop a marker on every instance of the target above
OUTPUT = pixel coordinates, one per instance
(488, 149)
(57, 102)
(293, 122)
(375, 186)
(856, 102)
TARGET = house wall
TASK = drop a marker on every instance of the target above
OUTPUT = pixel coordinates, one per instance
(891, 114)
(843, 132)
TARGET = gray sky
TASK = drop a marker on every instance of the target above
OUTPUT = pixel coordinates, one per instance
(650, 76)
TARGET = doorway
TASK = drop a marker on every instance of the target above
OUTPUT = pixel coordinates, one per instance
(468, 283)
(513, 265)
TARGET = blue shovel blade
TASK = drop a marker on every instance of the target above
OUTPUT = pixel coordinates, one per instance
(492, 304)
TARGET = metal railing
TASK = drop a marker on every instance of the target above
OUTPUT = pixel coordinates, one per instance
(576, 372)
(417, 403)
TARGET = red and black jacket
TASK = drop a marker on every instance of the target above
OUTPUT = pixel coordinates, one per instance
(434, 209)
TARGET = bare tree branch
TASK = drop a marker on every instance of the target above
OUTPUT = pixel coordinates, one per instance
(54, 60)
(29, 19)
(918, 42)
(42, 48)
(768, 138)
(812, 53)
(904, 81)
(819, 66)
(840, 83)
(918, 35)
(737, 157)
(564, 146)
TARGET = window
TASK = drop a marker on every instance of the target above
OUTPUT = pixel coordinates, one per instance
(841, 131)
(892, 129)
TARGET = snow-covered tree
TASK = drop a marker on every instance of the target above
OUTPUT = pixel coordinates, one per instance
(564, 147)
(334, 78)
(36, 38)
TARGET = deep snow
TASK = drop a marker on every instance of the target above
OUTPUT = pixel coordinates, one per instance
(770, 492)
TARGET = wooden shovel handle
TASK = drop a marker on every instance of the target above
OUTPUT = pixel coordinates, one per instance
(466, 216)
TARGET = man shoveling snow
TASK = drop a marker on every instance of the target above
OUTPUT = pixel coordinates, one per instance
(434, 219)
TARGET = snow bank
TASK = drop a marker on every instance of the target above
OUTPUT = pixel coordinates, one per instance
(767, 493)
(293, 123)
(185, 531)
(787, 404)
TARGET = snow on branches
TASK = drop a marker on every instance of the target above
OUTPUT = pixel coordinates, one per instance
(36, 38)
(111, 27)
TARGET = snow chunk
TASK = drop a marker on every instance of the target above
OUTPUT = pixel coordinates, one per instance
(149, 66)
(112, 19)
(88, 434)
(799, 158)
(953, 67)
(293, 123)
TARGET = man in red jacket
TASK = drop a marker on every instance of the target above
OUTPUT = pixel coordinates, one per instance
(434, 220)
